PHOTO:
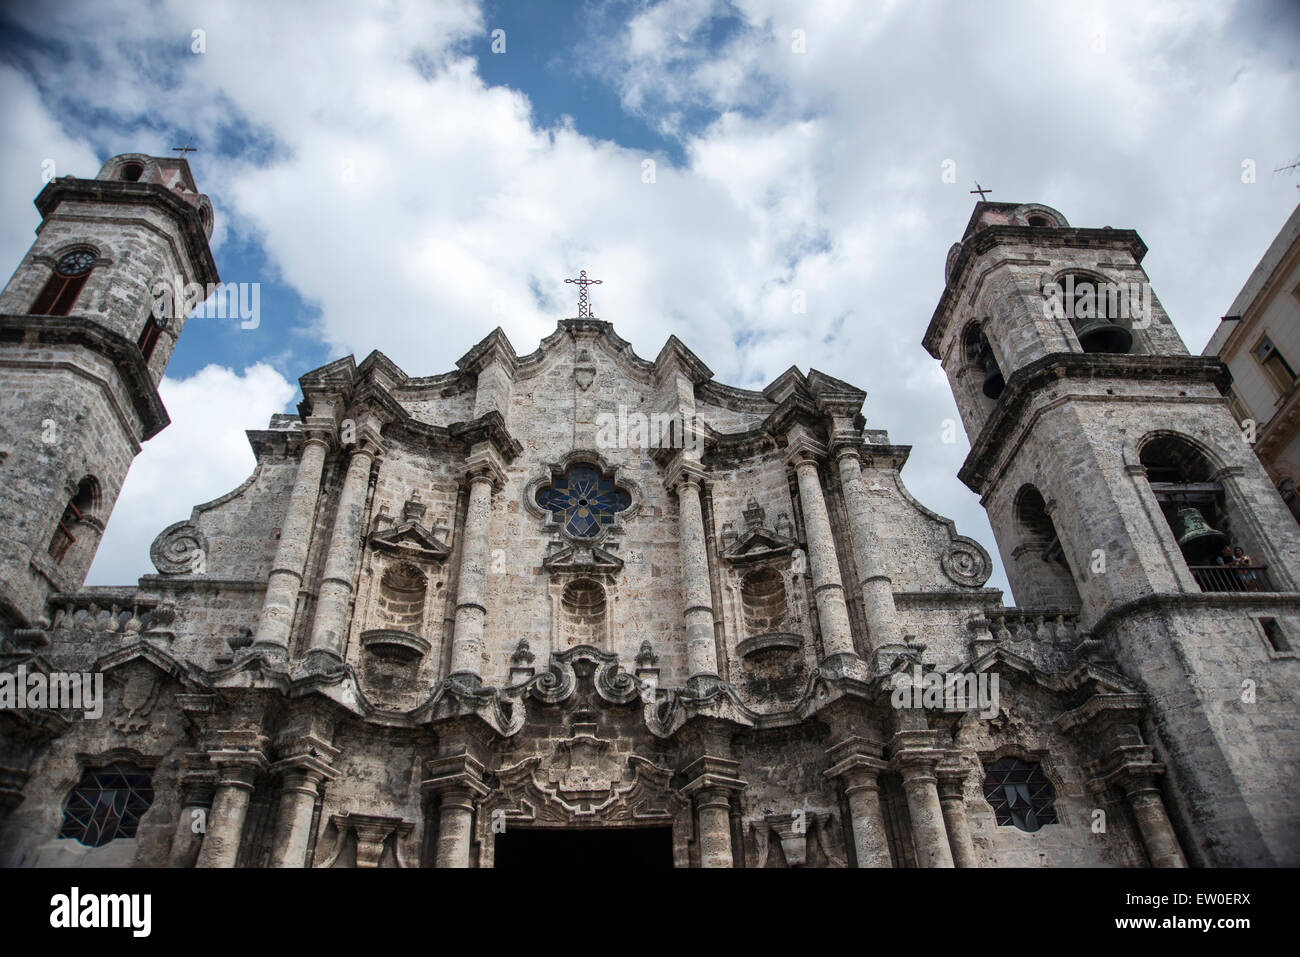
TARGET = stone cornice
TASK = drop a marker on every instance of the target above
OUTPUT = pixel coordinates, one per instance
(1238, 601)
(1026, 383)
(494, 347)
(676, 354)
(491, 428)
(985, 239)
(187, 217)
(124, 354)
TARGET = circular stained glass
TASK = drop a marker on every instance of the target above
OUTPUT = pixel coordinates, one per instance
(582, 501)
(75, 263)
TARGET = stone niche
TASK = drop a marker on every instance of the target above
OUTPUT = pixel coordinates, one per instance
(766, 605)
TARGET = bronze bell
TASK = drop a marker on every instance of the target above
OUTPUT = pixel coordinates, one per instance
(993, 381)
(1198, 541)
(1102, 335)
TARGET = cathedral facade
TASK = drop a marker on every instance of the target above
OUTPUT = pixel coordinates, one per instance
(578, 606)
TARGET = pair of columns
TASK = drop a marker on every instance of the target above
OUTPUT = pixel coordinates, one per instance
(284, 584)
(936, 803)
(1137, 775)
(823, 564)
(220, 799)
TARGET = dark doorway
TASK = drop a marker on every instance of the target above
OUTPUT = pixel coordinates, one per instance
(615, 848)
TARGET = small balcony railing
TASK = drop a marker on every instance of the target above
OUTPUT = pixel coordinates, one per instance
(1245, 578)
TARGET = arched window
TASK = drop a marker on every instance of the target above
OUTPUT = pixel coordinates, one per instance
(79, 507)
(149, 336)
(61, 289)
(130, 172)
(1019, 794)
(1037, 220)
(1043, 575)
(107, 804)
(583, 501)
(1093, 305)
(978, 352)
(763, 601)
(1196, 510)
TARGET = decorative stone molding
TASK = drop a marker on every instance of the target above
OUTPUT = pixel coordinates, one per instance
(180, 549)
(559, 680)
(395, 645)
(370, 832)
(966, 562)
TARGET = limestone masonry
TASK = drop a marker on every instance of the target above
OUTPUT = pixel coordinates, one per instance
(475, 618)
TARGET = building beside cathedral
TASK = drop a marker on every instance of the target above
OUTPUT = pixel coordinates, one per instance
(1255, 339)
(578, 606)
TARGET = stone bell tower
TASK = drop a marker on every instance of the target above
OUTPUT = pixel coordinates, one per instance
(86, 332)
(1113, 473)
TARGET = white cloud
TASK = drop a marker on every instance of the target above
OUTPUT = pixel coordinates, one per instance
(405, 200)
(202, 455)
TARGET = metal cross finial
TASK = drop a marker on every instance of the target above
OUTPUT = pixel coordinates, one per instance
(194, 149)
(980, 190)
(582, 282)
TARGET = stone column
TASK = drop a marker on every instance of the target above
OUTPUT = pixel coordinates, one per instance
(471, 586)
(859, 775)
(915, 760)
(697, 593)
(331, 625)
(236, 774)
(713, 811)
(1152, 819)
(823, 563)
(196, 811)
(952, 799)
(458, 780)
(876, 587)
(712, 780)
(299, 791)
(282, 587)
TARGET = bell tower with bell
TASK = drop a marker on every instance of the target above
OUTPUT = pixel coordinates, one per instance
(1114, 476)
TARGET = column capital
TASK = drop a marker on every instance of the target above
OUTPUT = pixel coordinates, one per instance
(1131, 768)
(709, 773)
(805, 451)
(952, 781)
(915, 754)
(455, 773)
(238, 769)
(683, 473)
(485, 465)
(316, 762)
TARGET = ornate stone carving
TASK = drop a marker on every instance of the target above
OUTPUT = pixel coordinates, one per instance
(181, 549)
(966, 562)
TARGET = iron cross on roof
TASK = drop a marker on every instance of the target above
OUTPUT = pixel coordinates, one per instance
(194, 149)
(979, 189)
(582, 282)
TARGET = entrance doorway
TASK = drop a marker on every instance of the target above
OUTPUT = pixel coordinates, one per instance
(614, 848)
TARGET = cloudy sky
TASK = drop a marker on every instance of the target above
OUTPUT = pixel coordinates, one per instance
(403, 177)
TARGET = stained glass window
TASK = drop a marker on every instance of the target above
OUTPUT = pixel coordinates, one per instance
(582, 501)
(107, 804)
(1020, 794)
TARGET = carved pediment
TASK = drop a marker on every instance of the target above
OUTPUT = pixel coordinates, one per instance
(411, 540)
(759, 543)
(582, 559)
(541, 792)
